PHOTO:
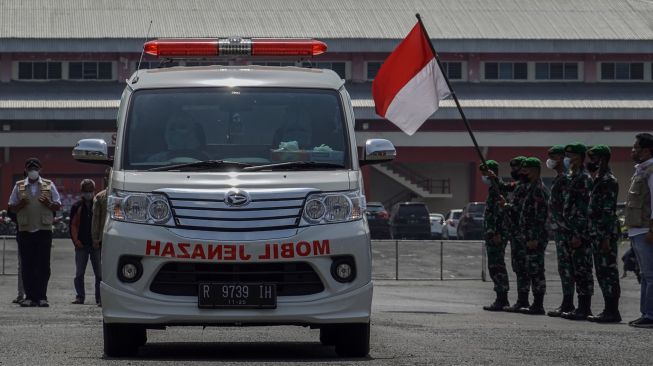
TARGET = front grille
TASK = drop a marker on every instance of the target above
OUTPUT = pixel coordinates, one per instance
(182, 279)
(207, 210)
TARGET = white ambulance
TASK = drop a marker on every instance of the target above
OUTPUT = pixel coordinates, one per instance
(236, 198)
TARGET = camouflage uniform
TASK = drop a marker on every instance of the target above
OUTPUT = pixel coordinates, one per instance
(559, 189)
(496, 252)
(604, 226)
(576, 220)
(517, 246)
(532, 224)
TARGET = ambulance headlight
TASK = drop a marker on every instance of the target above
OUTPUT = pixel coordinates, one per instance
(145, 208)
(333, 207)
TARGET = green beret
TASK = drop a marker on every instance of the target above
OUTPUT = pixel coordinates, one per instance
(599, 150)
(531, 163)
(491, 164)
(517, 160)
(557, 149)
(576, 148)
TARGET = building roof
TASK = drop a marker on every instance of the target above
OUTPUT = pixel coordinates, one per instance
(562, 101)
(348, 25)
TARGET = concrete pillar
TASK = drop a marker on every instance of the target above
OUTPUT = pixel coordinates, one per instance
(590, 69)
(5, 68)
(473, 68)
(358, 68)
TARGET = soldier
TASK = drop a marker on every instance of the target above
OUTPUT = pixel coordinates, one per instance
(604, 232)
(560, 230)
(517, 248)
(532, 231)
(495, 238)
(576, 220)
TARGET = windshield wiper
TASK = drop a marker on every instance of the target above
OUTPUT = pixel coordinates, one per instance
(201, 165)
(294, 165)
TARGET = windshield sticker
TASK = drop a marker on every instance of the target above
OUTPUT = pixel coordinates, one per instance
(237, 252)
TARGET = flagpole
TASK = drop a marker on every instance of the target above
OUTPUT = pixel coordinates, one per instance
(453, 94)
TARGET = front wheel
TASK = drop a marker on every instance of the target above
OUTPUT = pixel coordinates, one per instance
(353, 340)
(121, 340)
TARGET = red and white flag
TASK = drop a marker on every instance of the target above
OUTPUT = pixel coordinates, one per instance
(409, 86)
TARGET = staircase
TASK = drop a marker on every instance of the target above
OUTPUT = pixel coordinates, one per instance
(421, 186)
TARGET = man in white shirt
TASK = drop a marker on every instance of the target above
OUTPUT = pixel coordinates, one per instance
(639, 219)
(34, 200)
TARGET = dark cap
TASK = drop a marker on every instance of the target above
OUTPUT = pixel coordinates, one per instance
(32, 162)
(576, 148)
(491, 164)
(557, 149)
(531, 163)
(517, 161)
(599, 150)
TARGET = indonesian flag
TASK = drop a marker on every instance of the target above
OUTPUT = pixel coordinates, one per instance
(409, 86)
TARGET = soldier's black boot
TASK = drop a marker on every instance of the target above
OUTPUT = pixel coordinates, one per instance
(567, 306)
(498, 304)
(584, 309)
(522, 302)
(537, 308)
(610, 314)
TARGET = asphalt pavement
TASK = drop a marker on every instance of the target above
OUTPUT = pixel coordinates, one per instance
(415, 322)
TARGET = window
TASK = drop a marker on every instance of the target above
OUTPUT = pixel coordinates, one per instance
(373, 68)
(454, 70)
(39, 70)
(90, 70)
(252, 126)
(506, 71)
(556, 71)
(340, 68)
(622, 71)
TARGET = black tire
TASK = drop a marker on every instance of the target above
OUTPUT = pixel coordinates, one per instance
(123, 340)
(328, 335)
(353, 340)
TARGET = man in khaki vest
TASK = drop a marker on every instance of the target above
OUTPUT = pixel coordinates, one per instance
(34, 200)
(639, 219)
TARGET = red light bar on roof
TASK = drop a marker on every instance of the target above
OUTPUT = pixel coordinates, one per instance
(205, 47)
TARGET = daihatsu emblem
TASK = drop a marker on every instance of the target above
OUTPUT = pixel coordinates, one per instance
(236, 198)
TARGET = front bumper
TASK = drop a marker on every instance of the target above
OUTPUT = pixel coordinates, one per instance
(135, 303)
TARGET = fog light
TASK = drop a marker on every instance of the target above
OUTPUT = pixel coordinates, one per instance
(130, 269)
(343, 269)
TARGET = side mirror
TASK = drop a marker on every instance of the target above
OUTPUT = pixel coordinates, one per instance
(378, 151)
(94, 151)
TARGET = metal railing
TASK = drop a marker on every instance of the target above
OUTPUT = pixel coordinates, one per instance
(429, 260)
(430, 185)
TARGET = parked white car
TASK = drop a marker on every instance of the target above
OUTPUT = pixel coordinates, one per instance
(437, 225)
(450, 230)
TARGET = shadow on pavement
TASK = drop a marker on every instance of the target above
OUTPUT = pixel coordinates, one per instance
(241, 351)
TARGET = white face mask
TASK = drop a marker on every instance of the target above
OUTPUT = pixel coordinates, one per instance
(33, 174)
(486, 180)
(551, 164)
(567, 162)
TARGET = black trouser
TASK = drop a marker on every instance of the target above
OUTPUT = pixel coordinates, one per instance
(35, 262)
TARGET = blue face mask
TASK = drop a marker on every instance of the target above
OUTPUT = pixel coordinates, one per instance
(567, 162)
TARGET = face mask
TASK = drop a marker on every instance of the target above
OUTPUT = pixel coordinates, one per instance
(551, 164)
(514, 175)
(592, 167)
(486, 180)
(33, 174)
(567, 162)
(87, 195)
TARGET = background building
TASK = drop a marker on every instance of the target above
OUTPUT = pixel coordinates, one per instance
(529, 74)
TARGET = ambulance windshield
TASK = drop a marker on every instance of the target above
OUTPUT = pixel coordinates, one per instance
(251, 126)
